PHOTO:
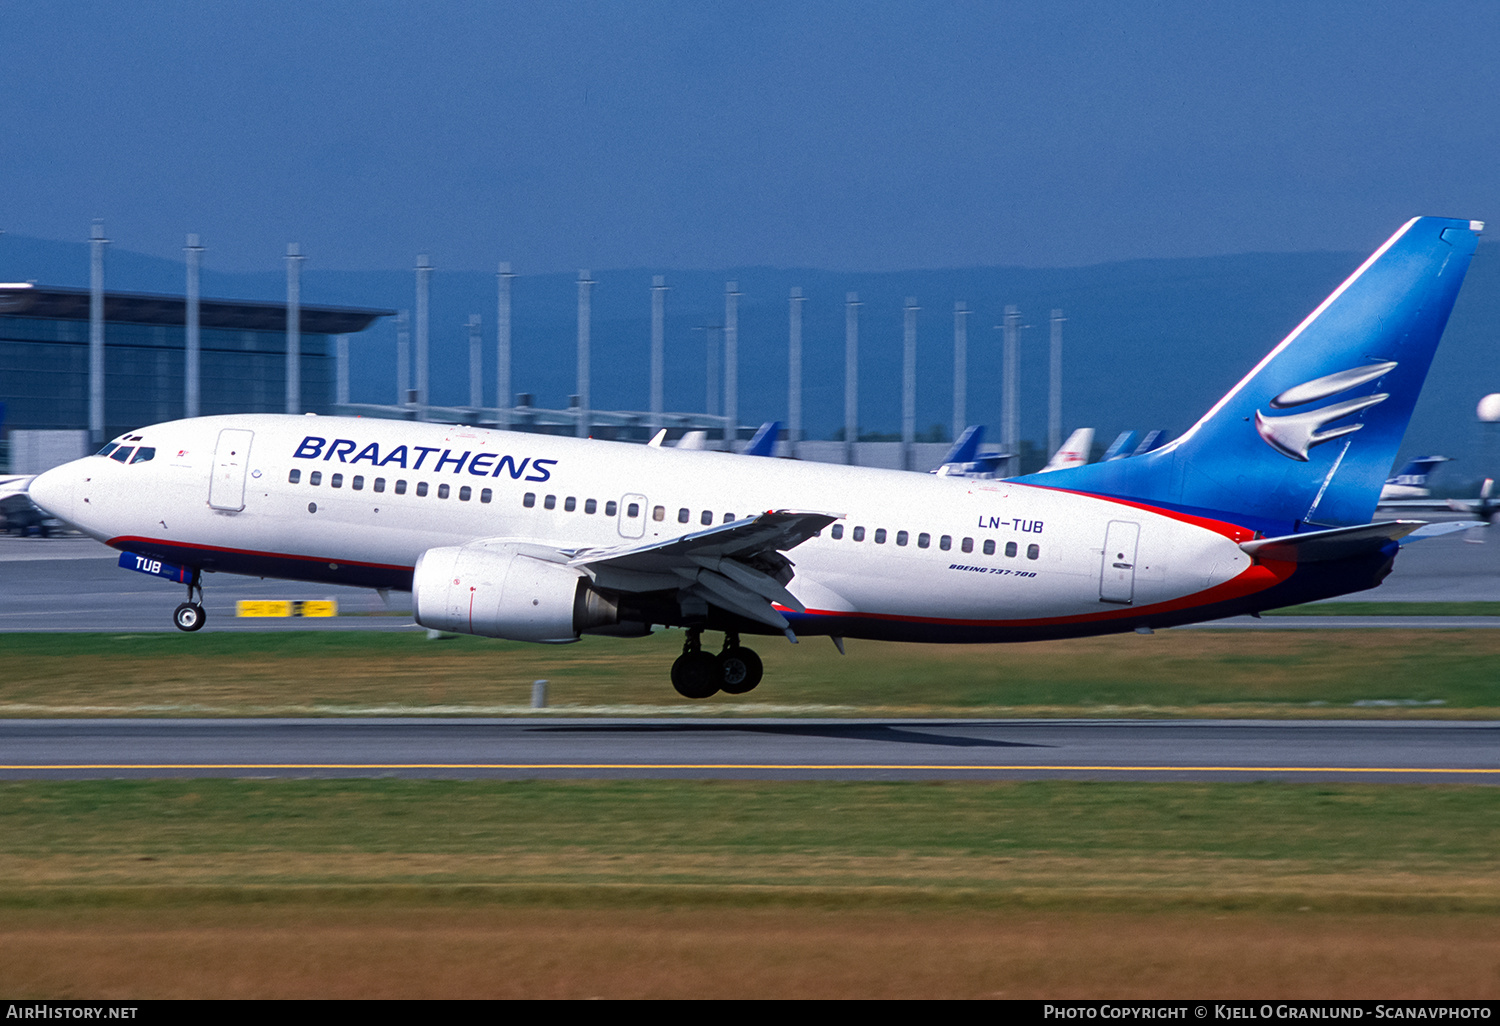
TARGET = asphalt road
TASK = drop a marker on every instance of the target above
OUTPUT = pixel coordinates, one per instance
(73, 584)
(1354, 751)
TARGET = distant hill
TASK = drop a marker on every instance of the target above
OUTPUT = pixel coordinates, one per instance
(1147, 343)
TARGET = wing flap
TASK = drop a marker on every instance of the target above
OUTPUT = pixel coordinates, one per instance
(738, 566)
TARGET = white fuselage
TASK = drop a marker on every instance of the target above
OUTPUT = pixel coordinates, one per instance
(915, 555)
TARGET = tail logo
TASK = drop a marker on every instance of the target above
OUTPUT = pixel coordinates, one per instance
(1296, 433)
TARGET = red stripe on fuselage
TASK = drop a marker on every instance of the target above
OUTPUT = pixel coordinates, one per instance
(1254, 578)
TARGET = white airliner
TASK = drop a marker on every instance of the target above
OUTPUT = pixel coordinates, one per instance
(1264, 502)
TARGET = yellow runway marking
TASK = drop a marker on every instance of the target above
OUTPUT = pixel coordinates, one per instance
(969, 767)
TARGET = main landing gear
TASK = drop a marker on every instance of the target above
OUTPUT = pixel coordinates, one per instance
(190, 615)
(699, 674)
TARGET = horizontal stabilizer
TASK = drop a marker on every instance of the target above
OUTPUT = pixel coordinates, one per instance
(1438, 530)
(1338, 543)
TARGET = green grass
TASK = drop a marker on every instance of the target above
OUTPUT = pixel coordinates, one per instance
(1390, 609)
(1365, 846)
(1171, 673)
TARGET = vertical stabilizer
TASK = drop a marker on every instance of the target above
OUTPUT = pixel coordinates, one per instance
(1309, 435)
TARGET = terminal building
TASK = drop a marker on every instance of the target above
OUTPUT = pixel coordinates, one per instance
(45, 358)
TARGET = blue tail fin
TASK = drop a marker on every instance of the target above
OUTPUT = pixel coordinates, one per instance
(763, 443)
(1121, 447)
(1416, 472)
(966, 449)
(1309, 435)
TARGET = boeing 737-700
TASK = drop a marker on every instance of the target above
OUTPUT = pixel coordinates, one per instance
(1264, 502)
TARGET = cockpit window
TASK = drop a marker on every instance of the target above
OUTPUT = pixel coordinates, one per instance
(111, 447)
(122, 453)
(143, 454)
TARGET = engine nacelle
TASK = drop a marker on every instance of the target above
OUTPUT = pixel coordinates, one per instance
(498, 591)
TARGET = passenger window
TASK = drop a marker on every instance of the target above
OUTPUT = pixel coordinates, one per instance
(968, 545)
(486, 494)
(706, 518)
(945, 542)
(683, 516)
(590, 506)
(421, 487)
(528, 500)
(442, 491)
(294, 477)
(122, 454)
(879, 536)
(633, 510)
(358, 484)
(659, 514)
(859, 534)
(379, 484)
(570, 504)
(144, 454)
(838, 531)
(315, 478)
(336, 481)
(923, 540)
(728, 518)
(465, 493)
(989, 546)
(401, 486)
(901, 537)
(550, 502)
(611, 508)
(1010, 549)
(1033, 552)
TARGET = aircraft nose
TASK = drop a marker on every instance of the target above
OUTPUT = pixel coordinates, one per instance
(54, 491)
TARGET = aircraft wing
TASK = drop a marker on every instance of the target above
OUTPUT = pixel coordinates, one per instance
(736, 566)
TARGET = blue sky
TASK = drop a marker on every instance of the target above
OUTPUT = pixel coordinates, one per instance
(846, 136)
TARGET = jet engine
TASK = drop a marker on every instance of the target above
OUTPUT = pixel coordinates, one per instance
(500, 591)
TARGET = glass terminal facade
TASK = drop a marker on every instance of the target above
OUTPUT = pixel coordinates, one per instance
(44, 357)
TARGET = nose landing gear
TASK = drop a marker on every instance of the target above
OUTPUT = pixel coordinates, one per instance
(190, 615)
(699, 674)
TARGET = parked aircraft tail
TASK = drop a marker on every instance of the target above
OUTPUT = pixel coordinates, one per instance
(1073, 453)
(1411, 481)
(1306, 439)
(764, 441)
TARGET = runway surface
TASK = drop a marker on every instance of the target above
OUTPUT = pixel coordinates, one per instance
(1203, 750)
(73, 584)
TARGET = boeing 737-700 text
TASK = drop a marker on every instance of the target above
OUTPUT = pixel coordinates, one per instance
(1266, 501)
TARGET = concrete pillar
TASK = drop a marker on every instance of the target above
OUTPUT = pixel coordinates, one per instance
(424, 286)
(585, 283)
(658, 351)
(503, 397)
(794, 373)
(909, 385)
(476, 365)
(97, 242)
(192, 341)
(293, 328)
(851, 375)
(1054, 386)
(403, 358)
(341, 370)
(1011, 420)
(960, 367)
(732, 366)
